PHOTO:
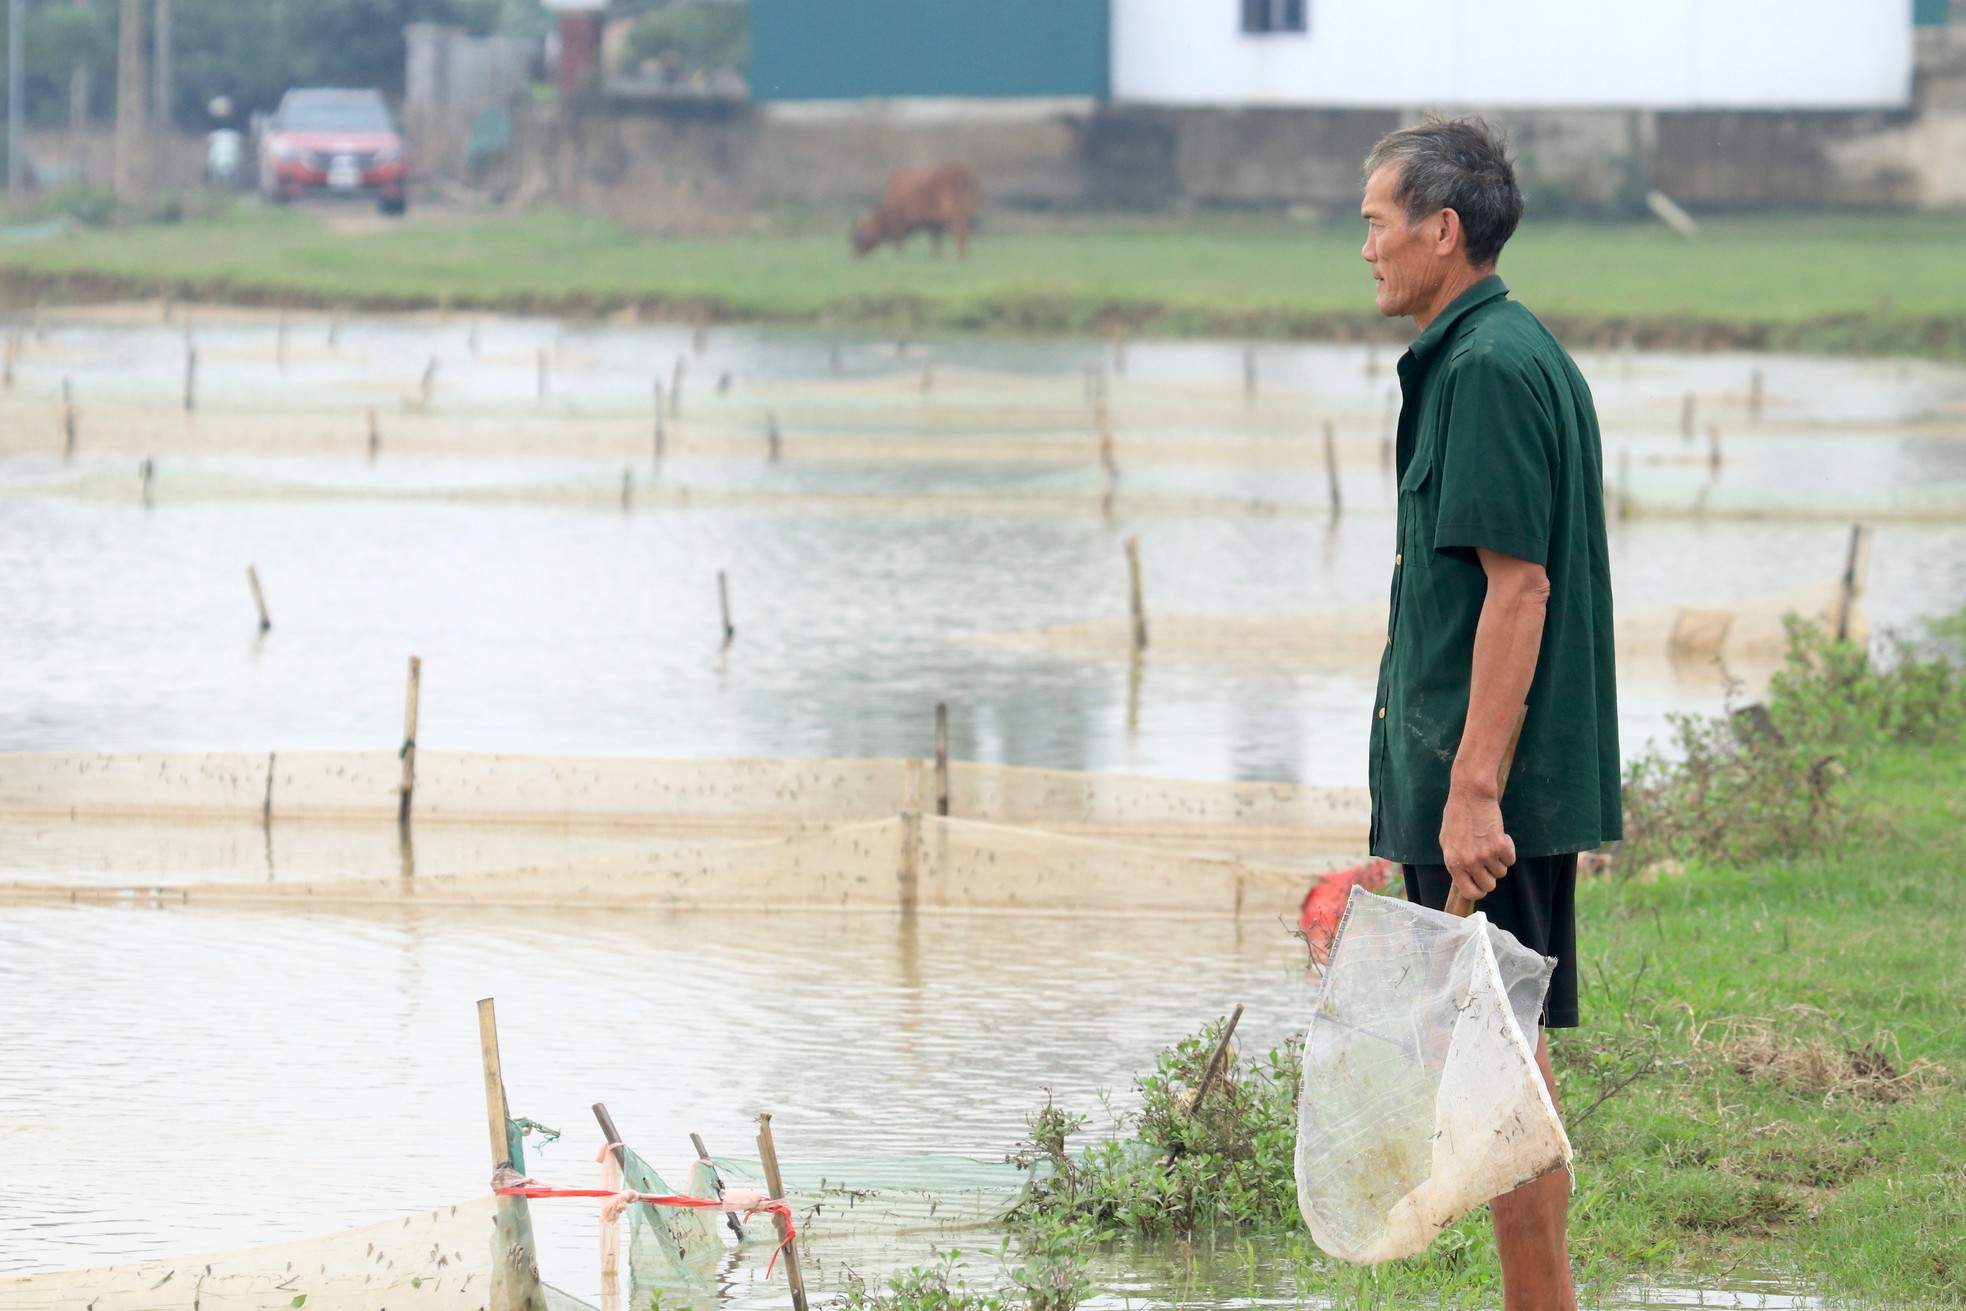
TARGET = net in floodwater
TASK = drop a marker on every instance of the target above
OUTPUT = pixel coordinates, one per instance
(1421, 1097)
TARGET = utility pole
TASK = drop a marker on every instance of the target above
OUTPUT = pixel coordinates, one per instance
(16, 172)
(132, 159)
(161, 57)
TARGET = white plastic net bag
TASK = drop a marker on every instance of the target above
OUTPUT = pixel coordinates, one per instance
(1421, 1097)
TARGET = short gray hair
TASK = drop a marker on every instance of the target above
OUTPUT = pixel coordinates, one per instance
(1460, 164)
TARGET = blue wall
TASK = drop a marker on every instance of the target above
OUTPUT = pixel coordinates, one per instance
(848, 49)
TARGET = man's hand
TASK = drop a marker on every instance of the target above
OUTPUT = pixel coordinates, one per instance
(1473, 845)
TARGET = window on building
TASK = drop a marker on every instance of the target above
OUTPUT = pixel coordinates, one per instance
(1261, 16)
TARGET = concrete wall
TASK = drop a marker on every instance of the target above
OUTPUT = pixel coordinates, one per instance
(1662, 54)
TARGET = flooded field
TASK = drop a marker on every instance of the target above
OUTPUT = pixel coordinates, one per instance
(182, 1080)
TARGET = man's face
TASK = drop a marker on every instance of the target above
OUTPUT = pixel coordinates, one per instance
(1407, 259)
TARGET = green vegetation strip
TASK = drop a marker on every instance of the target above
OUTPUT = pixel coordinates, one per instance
(1772, 1069)
(1889, 284)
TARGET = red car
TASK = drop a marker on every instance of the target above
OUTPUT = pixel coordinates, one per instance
(330, 141)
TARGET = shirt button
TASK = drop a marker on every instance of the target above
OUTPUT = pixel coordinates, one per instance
(1396, 557)
(1382, 712)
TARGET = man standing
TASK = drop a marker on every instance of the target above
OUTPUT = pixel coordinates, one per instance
(1500, 636)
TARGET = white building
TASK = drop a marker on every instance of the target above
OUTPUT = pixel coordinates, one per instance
(1584, 54)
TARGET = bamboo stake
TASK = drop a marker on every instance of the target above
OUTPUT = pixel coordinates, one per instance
(13, 354)
(1249, 372)
(375, 433)
(407, 789)
(429, 383)
(1331, 469)
(1856, 568)
(1686, 419)
(515, 1272)
(703, 1155)
(1755, 395)
(334, 331)
(146, 475)
(67, 420)
(627, 489)
(1212, 1072)
(723, 604)
(775, 1183)
(543, 378)
(259, 598)
(1119, 347)
(190, 378)
(1713, 447)
(773, 441)
(1138, 594)
(661, 438)
(942, 758)
(676, 390)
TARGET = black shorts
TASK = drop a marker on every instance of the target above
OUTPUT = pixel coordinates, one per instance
(1537, 902)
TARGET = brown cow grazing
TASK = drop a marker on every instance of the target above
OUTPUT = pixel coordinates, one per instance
(936, 200)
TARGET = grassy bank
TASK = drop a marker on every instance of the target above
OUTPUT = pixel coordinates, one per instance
(1771, 1075)
(1883, 283)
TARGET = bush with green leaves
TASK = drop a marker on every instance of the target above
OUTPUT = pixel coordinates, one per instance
(1179, 1164)
(1763, 782)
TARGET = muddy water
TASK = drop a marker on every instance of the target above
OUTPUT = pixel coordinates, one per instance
(227, 1079)
(182, 1081)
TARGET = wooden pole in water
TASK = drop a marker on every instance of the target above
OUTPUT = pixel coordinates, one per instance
(1249, 372)
(1755, 395)
(1331, 469)
(67, 420)
(661, 438)
(375, 433)
(723, 604)
(147, 474)
(1856, 567)
(407, 788)
(1713, 447)
(496, 1113)
(1624, 483)
(543, 378)
(1686, 419)
(942, 758)
(515, 1276)
(13, 354)
(676, 390)
(429, 383)
(259, 596)
(703, 1155)
(334, 331)
(775, 1184)
(1137, 593)
(773, 440)
(627, 489)
(190, 377)
(1119, 347)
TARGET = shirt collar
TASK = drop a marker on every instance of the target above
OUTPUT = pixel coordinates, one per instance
(1487, 289)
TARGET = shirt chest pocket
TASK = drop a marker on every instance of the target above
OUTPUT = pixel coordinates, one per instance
(1419, 509)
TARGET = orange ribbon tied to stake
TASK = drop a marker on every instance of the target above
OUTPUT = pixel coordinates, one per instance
(509, 1183)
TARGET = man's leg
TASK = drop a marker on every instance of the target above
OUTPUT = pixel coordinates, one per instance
(1532, 1230)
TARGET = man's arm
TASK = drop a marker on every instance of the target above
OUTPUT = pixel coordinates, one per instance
(1508, 637)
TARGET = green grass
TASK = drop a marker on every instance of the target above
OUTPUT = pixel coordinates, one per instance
(1832, 282)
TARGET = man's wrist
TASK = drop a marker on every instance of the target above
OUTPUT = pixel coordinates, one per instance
(1474, 784)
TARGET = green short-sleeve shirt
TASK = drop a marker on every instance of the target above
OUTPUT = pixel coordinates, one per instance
(1498, 450)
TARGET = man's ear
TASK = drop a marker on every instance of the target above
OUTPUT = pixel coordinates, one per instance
(1447, 232)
